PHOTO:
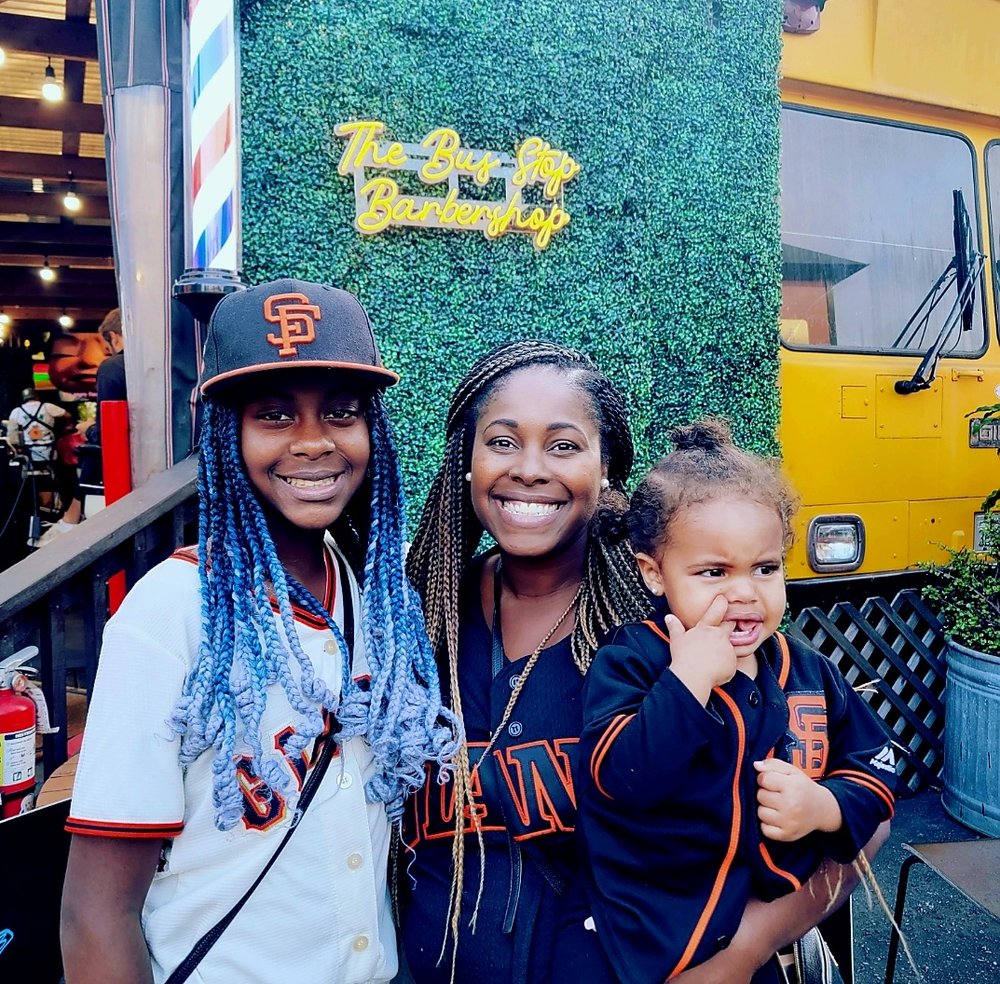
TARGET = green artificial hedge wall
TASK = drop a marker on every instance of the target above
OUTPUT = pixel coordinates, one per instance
(669, 271)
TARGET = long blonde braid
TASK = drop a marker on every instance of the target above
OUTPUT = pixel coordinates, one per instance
(449, 534)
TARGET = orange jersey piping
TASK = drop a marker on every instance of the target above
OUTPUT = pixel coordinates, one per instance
(734, 836)
(603, 745)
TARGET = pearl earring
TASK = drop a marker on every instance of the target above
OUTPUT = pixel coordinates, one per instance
(605, 483)
(468, 476)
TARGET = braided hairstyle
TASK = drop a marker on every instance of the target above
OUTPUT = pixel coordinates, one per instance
(242, 651)
(704, 465)
(450, 533)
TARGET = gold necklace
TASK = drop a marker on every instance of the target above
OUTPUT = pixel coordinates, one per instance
(522, 679)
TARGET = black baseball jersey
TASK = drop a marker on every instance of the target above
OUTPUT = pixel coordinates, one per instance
(526, 800)
(668, 807)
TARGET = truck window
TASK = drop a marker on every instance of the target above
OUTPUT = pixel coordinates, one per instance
(867, 230)
(993, 193)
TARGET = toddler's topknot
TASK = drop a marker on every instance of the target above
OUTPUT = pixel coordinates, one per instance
(710, 434)
(704, 465)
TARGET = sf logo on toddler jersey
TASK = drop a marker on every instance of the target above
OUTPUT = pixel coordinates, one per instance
(296, 317)
(810, 746)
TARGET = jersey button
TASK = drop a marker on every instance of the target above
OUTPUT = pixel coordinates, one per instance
(360, 944)
(344, 780)
(514, 729)
(331, 646)
(354, 861)
(723, 941)
(754, 698)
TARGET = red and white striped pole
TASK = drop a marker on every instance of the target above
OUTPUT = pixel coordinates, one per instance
(213, 148)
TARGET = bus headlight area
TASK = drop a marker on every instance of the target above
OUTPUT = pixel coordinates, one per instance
(835, 543)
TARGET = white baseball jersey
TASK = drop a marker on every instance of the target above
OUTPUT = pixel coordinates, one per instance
(322, 912)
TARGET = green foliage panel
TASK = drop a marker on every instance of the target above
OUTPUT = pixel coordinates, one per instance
(669, 271)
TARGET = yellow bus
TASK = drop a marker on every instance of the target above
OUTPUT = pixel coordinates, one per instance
(890, 194)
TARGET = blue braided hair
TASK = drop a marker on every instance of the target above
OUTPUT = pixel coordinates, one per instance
(243, 653)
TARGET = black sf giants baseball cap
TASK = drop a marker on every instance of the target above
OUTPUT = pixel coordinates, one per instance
(289, 324)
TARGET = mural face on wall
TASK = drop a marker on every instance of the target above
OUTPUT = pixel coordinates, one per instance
(73, 361)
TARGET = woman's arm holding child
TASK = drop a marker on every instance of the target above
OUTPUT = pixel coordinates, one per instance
(107, 879)
(768, 926)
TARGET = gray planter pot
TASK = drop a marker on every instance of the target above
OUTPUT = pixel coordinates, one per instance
(971, 774)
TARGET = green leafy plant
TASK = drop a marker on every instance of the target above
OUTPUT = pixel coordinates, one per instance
(965, 589)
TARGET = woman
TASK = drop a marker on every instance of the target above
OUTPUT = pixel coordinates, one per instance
(538, 451)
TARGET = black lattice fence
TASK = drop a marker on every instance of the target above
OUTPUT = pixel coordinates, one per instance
(894, 655)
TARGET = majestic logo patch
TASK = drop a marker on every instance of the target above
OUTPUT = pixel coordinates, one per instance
(885, 760)
(297, 318)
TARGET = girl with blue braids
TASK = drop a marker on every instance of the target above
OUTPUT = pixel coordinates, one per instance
(235, 670)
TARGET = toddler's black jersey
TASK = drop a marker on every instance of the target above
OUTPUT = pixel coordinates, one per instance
(668, 806)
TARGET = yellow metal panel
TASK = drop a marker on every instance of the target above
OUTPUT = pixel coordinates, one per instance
(887, 538)
(941, 53)
(946, 523)
(855, 402)
(841, 53)
(915, 415)
(955, 66)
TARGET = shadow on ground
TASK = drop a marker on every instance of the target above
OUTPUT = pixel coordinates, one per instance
(952, 940)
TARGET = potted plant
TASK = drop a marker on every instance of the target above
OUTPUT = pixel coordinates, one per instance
(965, 593)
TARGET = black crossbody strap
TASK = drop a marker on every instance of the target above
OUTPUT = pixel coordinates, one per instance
(34, 418)
(184, 970)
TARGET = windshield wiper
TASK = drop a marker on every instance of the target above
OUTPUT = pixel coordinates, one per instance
(964, 270)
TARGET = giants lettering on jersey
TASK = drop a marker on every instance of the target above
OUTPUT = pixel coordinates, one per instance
(262, 807)
(534, 782)
(807, 725)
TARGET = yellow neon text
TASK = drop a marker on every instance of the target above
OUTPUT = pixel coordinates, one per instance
(363, 149)
(385, 206)
(539, 163)
(448, 155)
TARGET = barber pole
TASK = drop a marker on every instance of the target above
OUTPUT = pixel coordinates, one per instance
(213, 144)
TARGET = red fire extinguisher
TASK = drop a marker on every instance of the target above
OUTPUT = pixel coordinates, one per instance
(22, 704)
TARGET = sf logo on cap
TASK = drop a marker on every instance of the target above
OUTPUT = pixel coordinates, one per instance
(296, 316)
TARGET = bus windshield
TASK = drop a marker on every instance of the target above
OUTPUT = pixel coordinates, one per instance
(993, 191)
(867, 230)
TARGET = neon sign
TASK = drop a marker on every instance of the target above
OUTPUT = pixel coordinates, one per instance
(440, 158)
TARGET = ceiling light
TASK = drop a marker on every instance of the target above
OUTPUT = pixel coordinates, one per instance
(4, 318)
(3, 56)
(52, 89)
(46, 272)
(70, 200)
(65, 321)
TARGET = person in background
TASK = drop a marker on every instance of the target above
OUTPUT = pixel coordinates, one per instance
(111, 385)
(37, 427)
(111, 372)
(34, 426)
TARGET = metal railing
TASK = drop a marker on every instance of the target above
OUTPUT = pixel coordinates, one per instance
(58, 600)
